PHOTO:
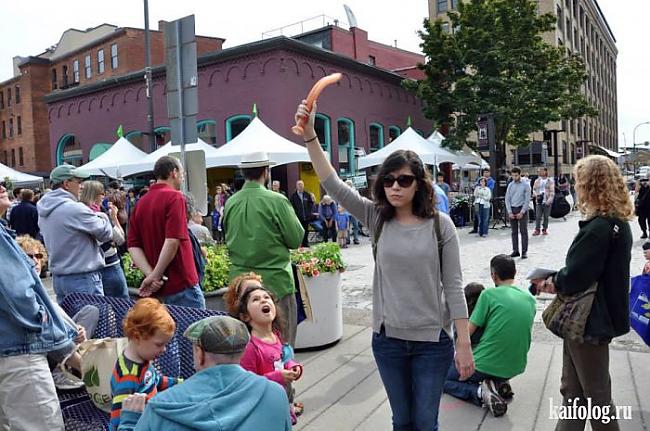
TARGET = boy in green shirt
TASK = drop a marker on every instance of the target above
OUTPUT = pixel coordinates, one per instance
(506, 313)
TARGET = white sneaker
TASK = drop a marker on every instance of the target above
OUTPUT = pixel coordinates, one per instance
(66, 381)
(491, 399)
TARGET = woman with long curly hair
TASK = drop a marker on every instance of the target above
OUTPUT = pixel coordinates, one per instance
(599, 255)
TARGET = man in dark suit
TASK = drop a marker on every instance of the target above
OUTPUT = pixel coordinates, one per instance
(303, 204)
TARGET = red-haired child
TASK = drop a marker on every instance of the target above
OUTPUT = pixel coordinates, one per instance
(149, 327)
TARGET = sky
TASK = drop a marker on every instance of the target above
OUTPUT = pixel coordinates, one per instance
(30, 26)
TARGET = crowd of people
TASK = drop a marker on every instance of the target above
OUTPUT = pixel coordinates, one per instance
(426, 340)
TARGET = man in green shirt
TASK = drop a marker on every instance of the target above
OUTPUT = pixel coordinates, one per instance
(261, 227)
(506, 314)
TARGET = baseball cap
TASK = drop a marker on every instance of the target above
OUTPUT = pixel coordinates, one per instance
(65, 172)
(219, 334)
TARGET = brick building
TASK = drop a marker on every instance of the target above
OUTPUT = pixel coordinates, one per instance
(80, 58)
(364, 112)
(581, 29)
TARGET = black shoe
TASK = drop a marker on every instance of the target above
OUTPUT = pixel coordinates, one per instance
(514, 254)
(356, 241)
(473, 231)
(644, 236)
(524, 256)
(491, 399)
(505, 390)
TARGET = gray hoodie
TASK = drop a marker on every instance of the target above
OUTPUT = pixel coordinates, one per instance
(73, 233)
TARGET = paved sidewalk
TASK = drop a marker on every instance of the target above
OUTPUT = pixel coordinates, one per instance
(341, 390)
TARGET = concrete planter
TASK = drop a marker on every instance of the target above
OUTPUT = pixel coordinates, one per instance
(325, 298)
(213, 300)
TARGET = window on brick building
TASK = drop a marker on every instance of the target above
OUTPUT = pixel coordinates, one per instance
(372, 60)
(114, 61)
(4, 130)
(21, 159)
(19, 125)
(64, 76)
(5, 159)
(75, 71)
(454, 4)
(442, 6)
(13, 158)
(17, 90)
(560, 21)
(8, 96)
(322, 126)
(393, 133)
(235, 125)
(11, 128)
(88, 67)
(2, 100)
(55, 82)
(100, 61)
(346, 141)
(376, 136)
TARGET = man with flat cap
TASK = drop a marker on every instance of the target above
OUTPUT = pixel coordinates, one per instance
(73, 234)
(220, 396)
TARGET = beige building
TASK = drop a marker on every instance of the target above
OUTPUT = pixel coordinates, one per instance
(582, 29)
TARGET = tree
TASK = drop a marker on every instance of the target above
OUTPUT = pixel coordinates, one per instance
(495, 61)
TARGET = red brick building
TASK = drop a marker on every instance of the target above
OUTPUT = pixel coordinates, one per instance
(81, 57)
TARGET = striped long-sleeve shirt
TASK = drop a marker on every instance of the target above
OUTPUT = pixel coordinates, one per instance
(132, 377)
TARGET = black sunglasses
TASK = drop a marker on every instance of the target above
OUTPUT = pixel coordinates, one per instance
(402, 180)
(38, 256)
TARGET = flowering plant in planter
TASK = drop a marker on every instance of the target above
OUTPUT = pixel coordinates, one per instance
(323, 257)
(459, 201)
(217, 268)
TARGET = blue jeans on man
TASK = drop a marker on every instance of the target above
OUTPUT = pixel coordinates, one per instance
(413, 373)
(83, 282)
(467, 389)
(355, 230)
(190, 297)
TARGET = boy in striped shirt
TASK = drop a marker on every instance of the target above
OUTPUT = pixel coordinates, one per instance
(149, 327)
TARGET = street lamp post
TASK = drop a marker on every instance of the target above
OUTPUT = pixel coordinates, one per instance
(634, 142)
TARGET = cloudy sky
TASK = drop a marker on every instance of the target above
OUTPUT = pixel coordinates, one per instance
(30, 26)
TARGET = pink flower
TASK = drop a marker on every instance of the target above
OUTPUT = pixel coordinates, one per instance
(315, 273)
(328, 262)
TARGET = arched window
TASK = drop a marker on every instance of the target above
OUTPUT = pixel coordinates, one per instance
(97, 150)
(137, 138)
(69, 151)
(393, 133)
(235, 125)
(345, 132)
(163, 135)
(207, 130)
(376, 137)
(323, 128)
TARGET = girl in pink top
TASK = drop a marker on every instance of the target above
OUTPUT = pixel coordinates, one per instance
(265, 353)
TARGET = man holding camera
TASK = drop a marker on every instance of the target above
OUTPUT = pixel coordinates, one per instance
(543, 193)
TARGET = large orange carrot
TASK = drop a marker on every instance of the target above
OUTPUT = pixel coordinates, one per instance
(313, 96)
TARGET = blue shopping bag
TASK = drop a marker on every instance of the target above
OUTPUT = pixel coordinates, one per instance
(640, 306)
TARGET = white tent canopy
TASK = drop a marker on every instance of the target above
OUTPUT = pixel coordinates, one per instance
(258, 137)
(18, 178)
(112, 163)
(409, 140)
(146, 164)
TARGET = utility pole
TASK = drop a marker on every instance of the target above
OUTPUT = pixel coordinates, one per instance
(147, 79)
(634, 143)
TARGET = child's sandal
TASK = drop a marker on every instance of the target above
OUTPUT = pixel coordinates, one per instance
(298, 408)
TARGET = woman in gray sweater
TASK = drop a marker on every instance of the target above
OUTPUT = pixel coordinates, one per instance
(417, 291)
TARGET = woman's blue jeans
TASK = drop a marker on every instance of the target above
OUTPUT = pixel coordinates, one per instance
(413, 373)
(484, 219)
(114, 282)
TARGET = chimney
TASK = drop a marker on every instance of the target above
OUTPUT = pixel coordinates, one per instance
(17, 60)
(360, 41)
(161, 25)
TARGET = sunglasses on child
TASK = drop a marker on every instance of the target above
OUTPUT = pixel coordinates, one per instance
(402, 180)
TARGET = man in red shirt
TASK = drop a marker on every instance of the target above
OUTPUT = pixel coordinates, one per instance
(159, 242)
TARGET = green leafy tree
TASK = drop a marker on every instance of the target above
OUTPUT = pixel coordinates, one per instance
(496, 61)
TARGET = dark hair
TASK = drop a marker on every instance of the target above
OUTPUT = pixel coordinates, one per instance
(114, 185)
(278, 322)
(544, 168)
(16, 192)
(486, 170)
(472, 292)
(482, 179)
(440, 174)
(143, 191)
(515, 170)
(503, 266)
(165, 166)
(253, 174)
(423, 204)
(646, 246)
(26, 195)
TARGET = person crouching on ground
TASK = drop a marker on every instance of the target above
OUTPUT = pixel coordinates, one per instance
(221, 395)
(149, 327)
(506, 312)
